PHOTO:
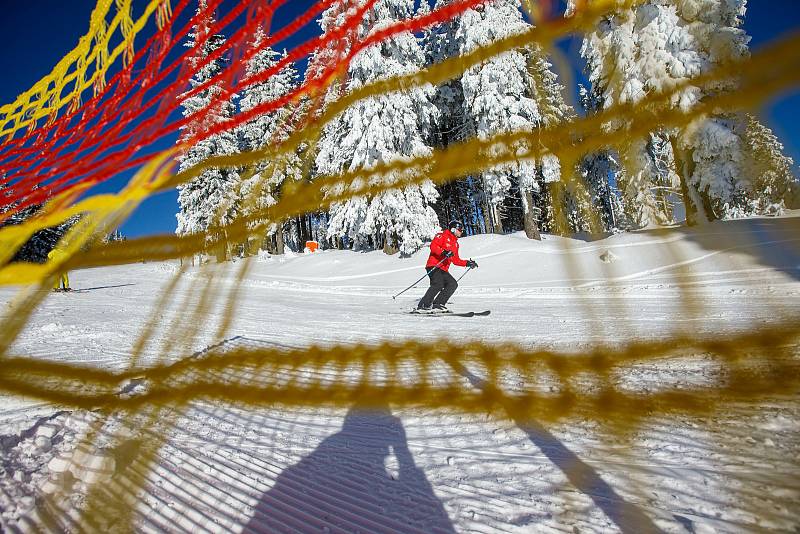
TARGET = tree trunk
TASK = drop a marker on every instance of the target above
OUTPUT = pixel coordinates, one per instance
(496, 220)
(528, 218)
(559, 207)
(487, 223)
(692, 200)
(486, 214)
(280, 246)
(309, 227)
(221, 246)
(301, 242)
(221, 252)
(389, 246)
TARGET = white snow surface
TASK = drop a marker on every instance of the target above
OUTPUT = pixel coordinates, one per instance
(227, 468)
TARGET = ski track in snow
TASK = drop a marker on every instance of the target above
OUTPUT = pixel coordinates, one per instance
(221, 468)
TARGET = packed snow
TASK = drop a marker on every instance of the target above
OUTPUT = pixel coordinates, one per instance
(224, 468)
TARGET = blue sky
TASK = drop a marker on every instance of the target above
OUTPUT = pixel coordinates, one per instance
(39, 32)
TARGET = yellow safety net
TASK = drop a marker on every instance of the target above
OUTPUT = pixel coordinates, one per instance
(761, 363)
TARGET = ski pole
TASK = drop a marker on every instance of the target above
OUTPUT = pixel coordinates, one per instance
(420, 280)
(463, 275)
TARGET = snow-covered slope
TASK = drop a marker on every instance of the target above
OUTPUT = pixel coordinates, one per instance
(220, 467)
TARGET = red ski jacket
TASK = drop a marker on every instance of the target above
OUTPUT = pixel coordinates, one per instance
(445, 240)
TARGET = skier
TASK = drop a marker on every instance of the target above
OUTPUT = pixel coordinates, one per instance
(444, 251)
(62, 283)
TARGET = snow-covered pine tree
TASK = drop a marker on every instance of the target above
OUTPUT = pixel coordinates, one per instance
(41, 242)
(460, 198)
(513, 91)
(667, 191)
(210, 199)
(595, 170)
(631, 53)
(711, 149)
(382, 129)
(652, 47)
(599, 170)
(262, 187)
(496, 94)
(714, 150)
(333, 52)
(114, 237)
(441, 43)
(329, 57)
(547, 92)
(775, 183)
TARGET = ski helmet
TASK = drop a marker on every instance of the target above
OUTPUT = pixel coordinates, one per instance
(456, 224)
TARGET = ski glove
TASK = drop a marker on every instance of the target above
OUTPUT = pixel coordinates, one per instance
(447, 253)
(472, 264)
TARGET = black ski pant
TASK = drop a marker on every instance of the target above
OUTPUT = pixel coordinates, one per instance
(443, 285)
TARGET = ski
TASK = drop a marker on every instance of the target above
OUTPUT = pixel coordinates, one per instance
(470, 314)
(453, 314)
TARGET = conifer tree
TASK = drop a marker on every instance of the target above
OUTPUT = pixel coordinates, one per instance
(439, 44)
(210, 199)
(497, 95)
(547, 92)
(381, 129)
(598, 170)
(652, 47)
(633, 52)
(260, 189)
(462, 197)
(322, 62)
(775, 183)
(34, 250)
(517, 90)
(335, 51)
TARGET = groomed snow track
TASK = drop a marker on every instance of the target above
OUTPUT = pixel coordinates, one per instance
(220, 468)
(209, 466)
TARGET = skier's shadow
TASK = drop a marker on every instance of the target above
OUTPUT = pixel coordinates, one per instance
(628, 517)
(362, 478)
(85, 289)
